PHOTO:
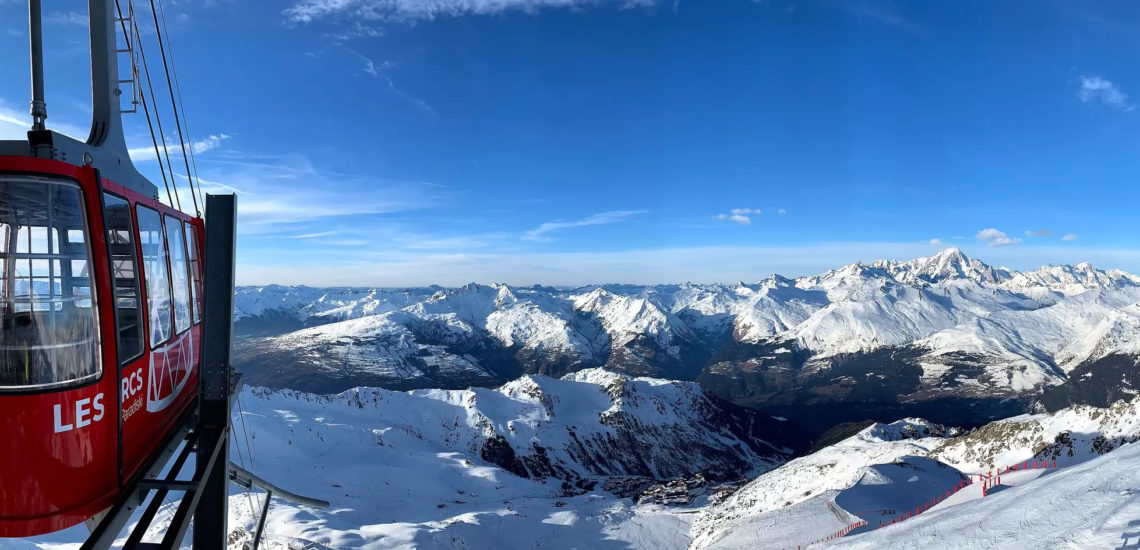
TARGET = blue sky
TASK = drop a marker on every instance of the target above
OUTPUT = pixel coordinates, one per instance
(401, 142)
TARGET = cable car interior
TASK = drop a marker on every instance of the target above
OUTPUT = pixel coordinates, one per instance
(49, 336)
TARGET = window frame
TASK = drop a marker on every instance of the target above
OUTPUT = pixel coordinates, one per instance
(96, 377)
(190, 231)
(143, 307)
(166, 218)
(151, 345)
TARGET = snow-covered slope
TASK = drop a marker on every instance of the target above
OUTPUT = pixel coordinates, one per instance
(537, 463)
(1092, 505)
(886, 470)
(780, 496)
(943, 327)
(585, 427)
(546, 463)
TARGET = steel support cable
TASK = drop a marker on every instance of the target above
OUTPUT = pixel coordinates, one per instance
(178, 89)
(241, 460)
(248, 447)
(146, 110)
(174, 106)
(249, 451)
(161, 133)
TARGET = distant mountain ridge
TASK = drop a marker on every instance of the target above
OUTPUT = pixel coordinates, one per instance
(899, 338)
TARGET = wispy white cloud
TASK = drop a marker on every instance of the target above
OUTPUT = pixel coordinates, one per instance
(781, 211)
(936, 242)
(281, 195)
(370, 66)
(882, 12)
(9, 117)
(1039, 233)
(347, 242)
(312, 235)
(601, 218)
(453, 242)
(993, 237)
(15, 123)
(307, 11)
(1095, 89)
(739, 215)
(66, 18)
(1070, 237)
(380, 70)
(145, 153)
(212, 141)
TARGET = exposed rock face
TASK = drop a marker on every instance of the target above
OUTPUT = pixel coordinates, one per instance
(1098, 382)
(1070, 435)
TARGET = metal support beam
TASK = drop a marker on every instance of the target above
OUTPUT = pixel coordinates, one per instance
(106, 123)
(210, 517)
(36, 43)
(244, 478)
(113, 522)
(261, 522)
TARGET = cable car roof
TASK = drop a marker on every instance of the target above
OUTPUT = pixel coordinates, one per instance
(112, 164)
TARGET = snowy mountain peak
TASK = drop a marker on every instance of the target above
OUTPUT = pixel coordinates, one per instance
(949, 264)
(593, 300)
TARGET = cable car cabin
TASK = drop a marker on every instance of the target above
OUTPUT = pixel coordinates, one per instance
(99, 337)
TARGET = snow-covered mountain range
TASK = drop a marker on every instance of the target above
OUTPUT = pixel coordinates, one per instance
(899, 338)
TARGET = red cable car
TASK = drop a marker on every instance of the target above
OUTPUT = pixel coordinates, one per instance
(100, 310)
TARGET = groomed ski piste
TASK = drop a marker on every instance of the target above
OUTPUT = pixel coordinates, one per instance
(1083, 500)
(1095, 504)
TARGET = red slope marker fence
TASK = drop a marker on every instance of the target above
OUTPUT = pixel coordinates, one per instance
(992, 478)
(840, 533)
(928, 504)
(988, 480)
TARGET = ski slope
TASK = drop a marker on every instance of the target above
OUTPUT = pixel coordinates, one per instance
(1095, 504)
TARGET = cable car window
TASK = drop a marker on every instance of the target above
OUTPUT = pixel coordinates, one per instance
(48, 321)
(195, 272)
(124, 277)
(180, 280)
(156, 273)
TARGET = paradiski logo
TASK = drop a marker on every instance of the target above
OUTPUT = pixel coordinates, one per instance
(169, 369)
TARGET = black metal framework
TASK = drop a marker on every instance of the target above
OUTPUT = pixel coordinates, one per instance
(211, 520)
